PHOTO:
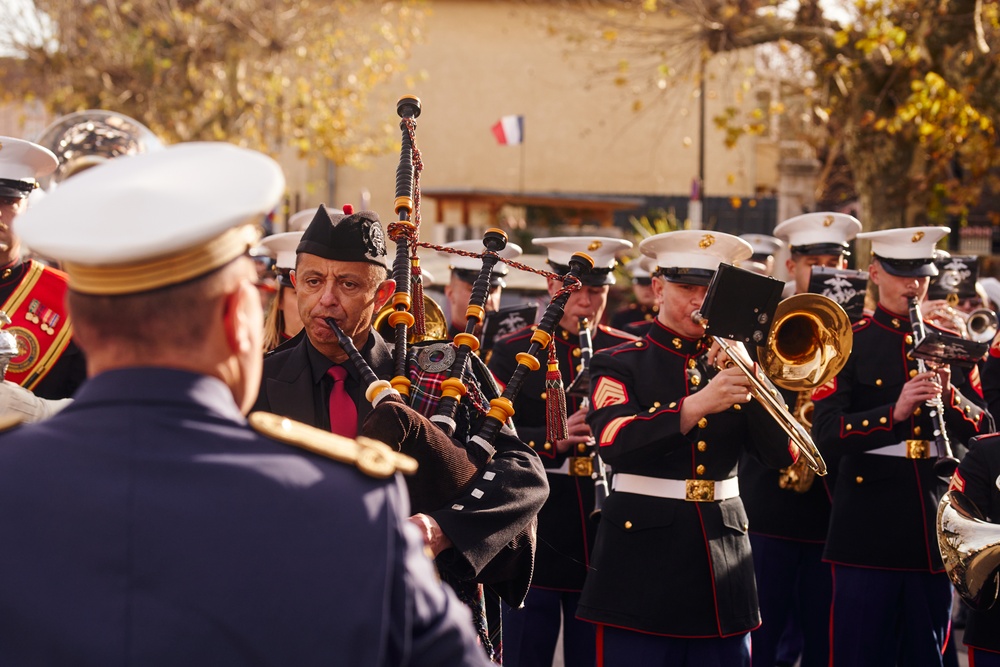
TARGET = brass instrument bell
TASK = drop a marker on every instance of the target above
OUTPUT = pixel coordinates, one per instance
(970, 549)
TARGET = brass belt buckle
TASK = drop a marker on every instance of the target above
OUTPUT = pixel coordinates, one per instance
(918, 449)
(699, 490)
(581, 466)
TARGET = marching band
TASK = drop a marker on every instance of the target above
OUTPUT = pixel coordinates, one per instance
(363, 479)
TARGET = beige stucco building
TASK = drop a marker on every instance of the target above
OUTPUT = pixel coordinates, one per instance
(480, 60)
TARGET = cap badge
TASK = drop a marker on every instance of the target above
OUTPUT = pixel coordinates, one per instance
(827, 221)
(374, 241)
(916, 237)
(706, 241)
(594, 245)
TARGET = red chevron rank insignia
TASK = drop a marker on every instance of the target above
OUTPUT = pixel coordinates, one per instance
(609, 392)
(957, 482)
(824, 390)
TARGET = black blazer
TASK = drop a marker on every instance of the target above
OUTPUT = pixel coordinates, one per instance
(492, 520)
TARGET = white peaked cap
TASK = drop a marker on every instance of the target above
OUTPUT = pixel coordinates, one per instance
(763, 244)
(641, 267)
(818, 229)
(688, 249)
(156, 219)
(22, 160)
(604, 250)
(463, 263)
(282, 248)
(905, 242)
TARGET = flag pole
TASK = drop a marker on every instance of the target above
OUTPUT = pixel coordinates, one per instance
(522, 166)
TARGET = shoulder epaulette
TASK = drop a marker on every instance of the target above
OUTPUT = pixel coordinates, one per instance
(374, 458)
(7, 422)
(617, 333)
(861, 324)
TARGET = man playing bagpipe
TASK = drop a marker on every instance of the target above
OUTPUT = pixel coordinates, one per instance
(480, 529)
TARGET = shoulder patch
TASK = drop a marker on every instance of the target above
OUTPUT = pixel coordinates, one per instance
(374, 458)
(7, 422)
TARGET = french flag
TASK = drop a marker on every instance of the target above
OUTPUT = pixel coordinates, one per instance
(509, 130)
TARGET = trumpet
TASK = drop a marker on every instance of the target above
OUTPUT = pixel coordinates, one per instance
(980, 325)
(762, 389)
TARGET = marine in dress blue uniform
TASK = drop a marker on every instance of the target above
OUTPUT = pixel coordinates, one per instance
(978, 477)
(788, 523)
(464, 271)
(892, 600)
(482, 531)
(149, 523)
(565, 530)
(672, 580)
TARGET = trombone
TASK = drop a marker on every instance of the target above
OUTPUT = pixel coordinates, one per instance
(807, 345)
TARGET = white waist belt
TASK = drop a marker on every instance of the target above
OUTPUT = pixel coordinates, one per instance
(697, 490)
(907, 449)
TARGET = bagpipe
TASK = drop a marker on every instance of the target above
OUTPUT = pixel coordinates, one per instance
(433, 378)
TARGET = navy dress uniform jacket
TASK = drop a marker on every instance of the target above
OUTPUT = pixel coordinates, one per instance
(662, 565)
(884, 507)
(783, 513)
(978, 477)
(565, 531)
(482, 522)
(147, 524)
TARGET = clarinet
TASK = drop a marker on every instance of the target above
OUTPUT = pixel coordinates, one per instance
(946, 464)
(408, 109)
(502, 408)
(453, 388)
(600, 474)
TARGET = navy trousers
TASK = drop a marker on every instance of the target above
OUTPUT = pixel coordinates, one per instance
(888, 617)
(625, 648)
(792, 583)
(530, 634)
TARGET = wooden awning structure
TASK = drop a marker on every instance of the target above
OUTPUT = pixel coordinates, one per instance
(571, 208)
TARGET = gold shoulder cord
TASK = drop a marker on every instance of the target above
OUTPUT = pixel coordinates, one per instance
(374, 458)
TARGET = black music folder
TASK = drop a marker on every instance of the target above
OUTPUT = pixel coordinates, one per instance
(740, 304)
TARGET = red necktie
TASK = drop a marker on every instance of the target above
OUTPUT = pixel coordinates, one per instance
(343, 413)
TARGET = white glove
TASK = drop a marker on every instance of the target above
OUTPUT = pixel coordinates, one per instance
(16, 400)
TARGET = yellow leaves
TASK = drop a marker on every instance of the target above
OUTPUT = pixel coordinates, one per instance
(840, 39)
(609, 35)
(649, 5)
